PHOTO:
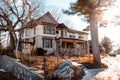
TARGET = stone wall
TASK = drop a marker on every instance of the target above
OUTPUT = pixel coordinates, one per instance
(18, 69)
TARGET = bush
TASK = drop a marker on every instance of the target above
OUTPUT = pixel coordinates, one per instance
(40, 51)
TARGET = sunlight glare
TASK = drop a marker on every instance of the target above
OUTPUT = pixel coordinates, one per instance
(109, 15)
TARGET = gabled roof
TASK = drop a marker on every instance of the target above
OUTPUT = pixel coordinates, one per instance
(47, 18)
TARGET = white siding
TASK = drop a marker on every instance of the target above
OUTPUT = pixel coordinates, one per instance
(39, 29)
(85, 37)
(39, 42)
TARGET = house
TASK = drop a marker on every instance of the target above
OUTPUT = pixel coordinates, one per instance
(73, 42)
(42, 33)
(46, 33)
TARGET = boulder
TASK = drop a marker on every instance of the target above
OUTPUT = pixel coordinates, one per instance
(67, 71)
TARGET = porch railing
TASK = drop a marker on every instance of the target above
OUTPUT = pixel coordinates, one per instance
(72, 52)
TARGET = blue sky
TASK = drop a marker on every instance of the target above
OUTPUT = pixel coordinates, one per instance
(60, 3)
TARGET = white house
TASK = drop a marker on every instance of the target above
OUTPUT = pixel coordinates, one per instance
(42, 32)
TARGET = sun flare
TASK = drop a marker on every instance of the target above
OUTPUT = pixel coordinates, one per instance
(111, 13)
(108, 15)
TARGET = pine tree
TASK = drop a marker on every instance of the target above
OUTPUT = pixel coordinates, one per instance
(92, 10)
(107, 45)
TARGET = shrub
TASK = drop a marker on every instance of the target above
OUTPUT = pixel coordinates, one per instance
(40, 51)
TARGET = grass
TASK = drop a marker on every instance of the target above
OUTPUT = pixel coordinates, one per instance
(51, 63)
(88, 61)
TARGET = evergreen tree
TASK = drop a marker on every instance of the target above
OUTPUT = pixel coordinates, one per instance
(107, 45)
(92, 10)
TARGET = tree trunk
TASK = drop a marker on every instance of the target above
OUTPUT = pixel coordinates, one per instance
(20, 44)
(94, 37)
(12, 41)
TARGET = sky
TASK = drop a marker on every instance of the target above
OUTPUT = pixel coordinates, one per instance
(64, 4)
(112, 31)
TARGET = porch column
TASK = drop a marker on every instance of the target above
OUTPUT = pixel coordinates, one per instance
(87, 45)
(65, 44)
(85, 50)
(60, 44)
(74, 47)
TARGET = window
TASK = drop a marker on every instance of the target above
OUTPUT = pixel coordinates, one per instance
(52, 30)
(72, 35)
(49, 30)
(61, 33)
(47, 43)
(27, 32)
(80, 36)
(65, 34)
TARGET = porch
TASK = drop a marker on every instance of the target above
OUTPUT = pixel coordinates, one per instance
(72, 52)
(73, 47)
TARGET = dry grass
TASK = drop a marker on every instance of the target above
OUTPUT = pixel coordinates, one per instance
(51, 63)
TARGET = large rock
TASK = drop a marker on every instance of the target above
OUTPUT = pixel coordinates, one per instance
(67, 71)
(17, 69)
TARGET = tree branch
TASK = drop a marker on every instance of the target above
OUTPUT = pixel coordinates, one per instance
(3, 28)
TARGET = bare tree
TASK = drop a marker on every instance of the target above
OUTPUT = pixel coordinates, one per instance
(56, 13)
(59, 16)
(14, 16)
